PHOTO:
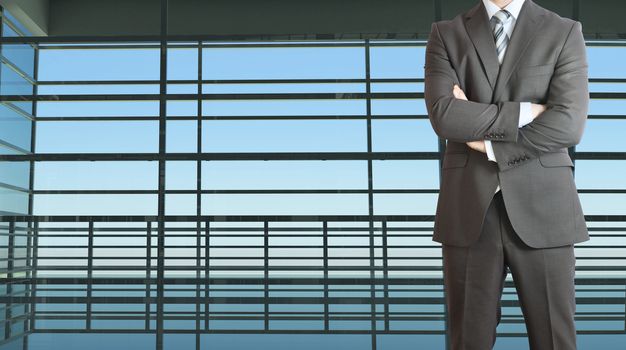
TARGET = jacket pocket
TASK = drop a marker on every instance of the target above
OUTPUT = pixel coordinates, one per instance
(454, 160)
(555, 159)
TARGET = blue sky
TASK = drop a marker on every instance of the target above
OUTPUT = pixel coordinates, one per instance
(405, 134)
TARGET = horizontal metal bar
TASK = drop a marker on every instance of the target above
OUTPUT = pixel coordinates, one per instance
(246, 218)
(247, 96)
(224, 156)
(269, 191)
(263, 156)
(264, 81)
(292, 281)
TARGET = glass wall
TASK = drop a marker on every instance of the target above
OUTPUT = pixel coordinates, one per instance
(258, 194)
(17, 79)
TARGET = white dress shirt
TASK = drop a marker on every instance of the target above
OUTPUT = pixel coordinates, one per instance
(525, 112)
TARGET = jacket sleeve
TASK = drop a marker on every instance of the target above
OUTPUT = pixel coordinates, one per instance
(456, 119)
(561, 125)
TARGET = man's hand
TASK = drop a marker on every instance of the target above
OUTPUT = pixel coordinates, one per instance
(537, 109)
(475, 145)
(458, 93)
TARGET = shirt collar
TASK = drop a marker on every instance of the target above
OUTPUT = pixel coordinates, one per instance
(513, 7)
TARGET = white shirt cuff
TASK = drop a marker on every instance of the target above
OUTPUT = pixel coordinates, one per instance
(489, 149)
(525, 114)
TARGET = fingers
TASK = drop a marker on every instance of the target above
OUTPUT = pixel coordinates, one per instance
(458, 92)
(537, 109)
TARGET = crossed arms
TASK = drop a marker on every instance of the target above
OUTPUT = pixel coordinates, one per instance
(561, 125)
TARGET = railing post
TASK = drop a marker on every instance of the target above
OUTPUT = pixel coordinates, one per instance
(10, 275)
(385, 275)
(326, 282)
(33, 274)
(148, 273)
(89, 274)
(266, 287)
(207, 244)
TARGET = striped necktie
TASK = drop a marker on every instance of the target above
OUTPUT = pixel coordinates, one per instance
(499, 21)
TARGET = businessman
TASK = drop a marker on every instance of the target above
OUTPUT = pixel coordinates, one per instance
(506, 86)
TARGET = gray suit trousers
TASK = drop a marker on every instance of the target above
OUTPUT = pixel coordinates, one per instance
(474, 279)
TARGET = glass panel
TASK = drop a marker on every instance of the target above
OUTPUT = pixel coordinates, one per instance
(182, 63)
(405, 204)
(13, 83)
(600, 174)
(15, 174)
(398, 106)
(100, 175)
(22, 56)
(398, 87)
(607, 107)
(180, 204)
(86, 64)
(284, 136)
(182, 136)
(182, 108)
(283, 63)
(603, 203)
(95, 89)
(95, 204)
(395, 135)
(180, 175)
(397, 62)
(220, 175)
(606, 61)
(13, 201)
(97, 108)
(15, 128)
(97, 136)
(406, 174)
(284, 204)
(283, 107)
(603, 135)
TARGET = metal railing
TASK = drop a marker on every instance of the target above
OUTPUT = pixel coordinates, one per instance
(258, 274)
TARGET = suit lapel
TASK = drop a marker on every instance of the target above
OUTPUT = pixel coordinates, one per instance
(479, 31)
(526, 28)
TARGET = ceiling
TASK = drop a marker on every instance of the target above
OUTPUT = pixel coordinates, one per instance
(276, 18)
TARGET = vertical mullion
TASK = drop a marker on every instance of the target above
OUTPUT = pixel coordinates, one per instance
(161, 190)
(370, 195)
(32, 229)
(199, 196)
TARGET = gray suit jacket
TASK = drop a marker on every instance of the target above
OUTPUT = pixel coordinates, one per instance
(545, 63)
